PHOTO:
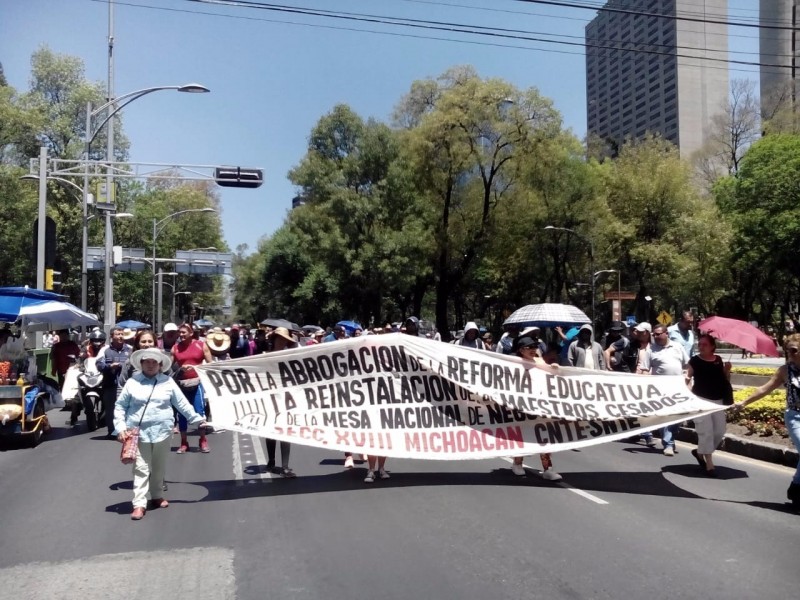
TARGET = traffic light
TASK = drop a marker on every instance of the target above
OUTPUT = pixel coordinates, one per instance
(48, 280)
(238, 177)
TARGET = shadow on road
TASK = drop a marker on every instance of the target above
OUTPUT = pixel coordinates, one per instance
(651, 484)
(695, 472)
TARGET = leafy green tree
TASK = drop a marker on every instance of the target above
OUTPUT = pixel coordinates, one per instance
(466, 145)
(669, 242)
(761, 203)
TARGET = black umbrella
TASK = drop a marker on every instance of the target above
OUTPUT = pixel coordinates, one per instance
(275, 323)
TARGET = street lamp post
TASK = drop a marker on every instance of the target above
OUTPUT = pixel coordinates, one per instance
(174, 296)
(156, 231)
(619, 287)
(588, 240)
(161, 284)
(111, 108)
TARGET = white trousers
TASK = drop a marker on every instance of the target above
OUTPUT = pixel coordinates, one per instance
(148, 472)
(710, 430)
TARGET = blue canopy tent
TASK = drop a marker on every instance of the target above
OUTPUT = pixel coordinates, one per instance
(13, 299)
(132, 324)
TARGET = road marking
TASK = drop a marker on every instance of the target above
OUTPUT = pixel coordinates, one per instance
(238, 471)
(566, 486)
(205, 573)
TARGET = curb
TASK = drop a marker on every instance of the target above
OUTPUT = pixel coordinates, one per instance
(773, 453)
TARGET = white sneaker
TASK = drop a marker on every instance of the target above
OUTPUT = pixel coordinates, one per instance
(348, 462)
(551, 475)
(669, 451)
(370, 478)
(518, 469)
(383, 474)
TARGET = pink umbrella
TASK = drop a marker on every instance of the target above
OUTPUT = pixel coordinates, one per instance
(739, 334)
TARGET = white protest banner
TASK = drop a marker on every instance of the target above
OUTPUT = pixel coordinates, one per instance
(402, 396)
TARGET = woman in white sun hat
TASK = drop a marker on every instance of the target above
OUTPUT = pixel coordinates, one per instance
(146, 402)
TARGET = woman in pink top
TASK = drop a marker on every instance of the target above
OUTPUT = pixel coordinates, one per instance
(188, 353)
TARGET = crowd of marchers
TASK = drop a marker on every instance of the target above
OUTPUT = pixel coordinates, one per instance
(151, 388)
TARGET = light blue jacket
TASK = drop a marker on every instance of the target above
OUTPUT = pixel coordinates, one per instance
(158, 418)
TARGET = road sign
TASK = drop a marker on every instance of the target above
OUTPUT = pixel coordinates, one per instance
(664, 318)
(631, 320)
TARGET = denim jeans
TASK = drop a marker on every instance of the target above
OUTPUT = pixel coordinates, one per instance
(196, 399)
(667, 433)
(792, 420)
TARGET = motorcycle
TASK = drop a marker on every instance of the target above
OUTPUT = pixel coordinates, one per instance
(90, 395)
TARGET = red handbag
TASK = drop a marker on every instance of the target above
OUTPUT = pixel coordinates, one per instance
(130, 447)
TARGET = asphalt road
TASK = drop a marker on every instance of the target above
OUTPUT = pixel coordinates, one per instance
(626, 522)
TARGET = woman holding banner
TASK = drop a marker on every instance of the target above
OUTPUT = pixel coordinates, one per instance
(280, 339)
(788, 376)
(527, 348)
(709, 377)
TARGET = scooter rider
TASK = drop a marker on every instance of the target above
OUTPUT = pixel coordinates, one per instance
(91, 349)
(109, 363)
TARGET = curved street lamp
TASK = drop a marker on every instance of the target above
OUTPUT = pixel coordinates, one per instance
(588, 241)
(112, 107)
(158, 227)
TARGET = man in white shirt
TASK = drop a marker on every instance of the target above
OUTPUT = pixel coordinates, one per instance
(682, 332)
(664, 357)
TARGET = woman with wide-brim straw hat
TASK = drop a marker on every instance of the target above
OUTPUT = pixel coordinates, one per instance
(281, 339)
(146, 402)
(218, 344)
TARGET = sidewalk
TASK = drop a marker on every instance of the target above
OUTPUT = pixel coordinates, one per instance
(734, 444)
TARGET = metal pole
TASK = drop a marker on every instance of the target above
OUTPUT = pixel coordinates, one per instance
(591, 270)
(109, 288)
(85, 237)
(174, 289)
(41, 231)
(153, 302)
(160, 312)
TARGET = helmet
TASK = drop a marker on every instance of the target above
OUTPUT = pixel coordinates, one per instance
(97, 336)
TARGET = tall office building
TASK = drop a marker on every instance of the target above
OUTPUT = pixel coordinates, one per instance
(778, 47)
(643, 74)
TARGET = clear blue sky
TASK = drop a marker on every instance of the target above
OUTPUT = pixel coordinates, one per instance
(271, 80)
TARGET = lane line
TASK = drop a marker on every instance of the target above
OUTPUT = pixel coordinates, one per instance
(566, 486)
(238, 471)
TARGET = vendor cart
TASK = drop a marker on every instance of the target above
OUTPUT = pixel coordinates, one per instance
(22, 413)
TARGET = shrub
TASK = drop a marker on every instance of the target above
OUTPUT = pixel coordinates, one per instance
(762, 371)
(764, 417)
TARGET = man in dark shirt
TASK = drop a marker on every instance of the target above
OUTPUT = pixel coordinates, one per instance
(616, 343)
(109, 363)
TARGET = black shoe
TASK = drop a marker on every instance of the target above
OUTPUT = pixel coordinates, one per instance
(793, 494)
(700, 460)
(270, 467)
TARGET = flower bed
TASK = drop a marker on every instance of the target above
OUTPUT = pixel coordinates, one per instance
(760, 371)
(764, 417)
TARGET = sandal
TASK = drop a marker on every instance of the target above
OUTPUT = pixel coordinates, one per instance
(138, 513)
(159, 503)
(288, 473)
